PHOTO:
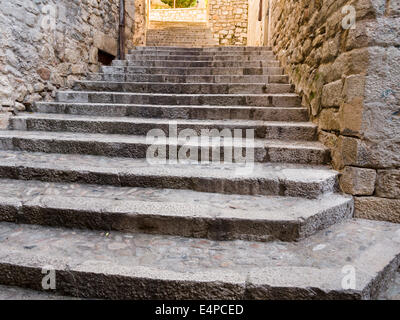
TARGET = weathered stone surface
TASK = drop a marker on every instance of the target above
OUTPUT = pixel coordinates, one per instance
(4, 121)
(358, 181)
(351, 117)
(388, 183)
(375, 208)
(370, 154)
(353, 88)
(332, 94)
(329, 120)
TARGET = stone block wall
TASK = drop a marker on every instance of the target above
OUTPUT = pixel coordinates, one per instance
(350, 81)
(228, 21)
(47, 44)
(257, 30)
(139, 20)
(180, 15)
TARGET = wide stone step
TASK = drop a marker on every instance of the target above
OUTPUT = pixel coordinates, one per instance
(216, 150)
(199, 54)
(287, 100)
(184, 88)
(213, 49)
(180, 31)
(184, 30)
(175, 34)
(246, 179)
(189, 44)
(305, 131)
(135, 77)
(114, 265)
(270, 71)
(197, 64)
(169, 212)
(169, 57)
(175, 112)
(178, 38)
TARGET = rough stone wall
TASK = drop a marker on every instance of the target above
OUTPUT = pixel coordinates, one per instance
(349, 79)
(180, 15)
(47, 44)
(228, 21)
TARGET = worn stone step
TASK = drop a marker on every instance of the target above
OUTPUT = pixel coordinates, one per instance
(175, 112)
(189, 44)
(169, 212)
(246, 179)
(305, 131)
(176, 39)
(199, 54)
(114, 265)
(19, 294)
(200, 41)
(270, 71)
(170, 57)
(138, 147)
(287, 100)
(184, 88)
(196, 64)
(212, 49)
(180, 31)
(176, 35)
(183, 30)
(135, 77)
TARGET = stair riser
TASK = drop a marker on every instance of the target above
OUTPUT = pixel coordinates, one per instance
(126, 217)
(197, 64)
(78, 282)
(156, 99)
(184, 88)
(121, 77)
(139, 151)
(278, 132)
(173, 113)
(234, 185)
(272, 71)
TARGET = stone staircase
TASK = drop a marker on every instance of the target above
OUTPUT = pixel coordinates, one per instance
(79, 192)
(182, 34)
